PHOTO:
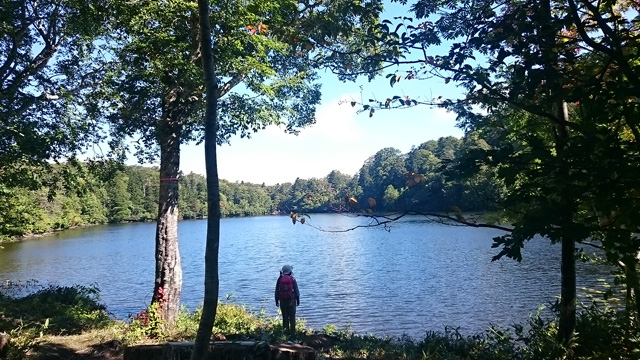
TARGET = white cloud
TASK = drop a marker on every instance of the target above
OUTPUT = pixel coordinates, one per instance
(335, 121)
(445, 116)
(340, 140)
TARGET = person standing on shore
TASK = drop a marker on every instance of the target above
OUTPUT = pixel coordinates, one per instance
(288, 298)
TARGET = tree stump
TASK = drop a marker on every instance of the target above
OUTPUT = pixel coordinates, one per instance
(292, 352)
(4, 345)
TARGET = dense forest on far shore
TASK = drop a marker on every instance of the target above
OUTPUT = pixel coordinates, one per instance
(104, 192)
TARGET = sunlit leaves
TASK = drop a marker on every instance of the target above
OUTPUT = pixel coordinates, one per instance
(47, 72)
(268, 47)
(299, 217)
(414, 179)
(261, 29)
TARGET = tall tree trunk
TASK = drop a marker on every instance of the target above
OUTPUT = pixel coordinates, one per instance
(631, 278)
(568, 260)
(567, 321)
(211, 277)
(168, 276)
(568, 289)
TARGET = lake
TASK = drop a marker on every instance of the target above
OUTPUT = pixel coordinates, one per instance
(418, 276)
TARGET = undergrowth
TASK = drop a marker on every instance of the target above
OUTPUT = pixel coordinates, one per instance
(603, 331)
(47, 311)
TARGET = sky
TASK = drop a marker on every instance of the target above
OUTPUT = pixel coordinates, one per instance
(340, 139)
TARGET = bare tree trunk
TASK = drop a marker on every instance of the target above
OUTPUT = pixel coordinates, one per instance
(568, 289)
(568, 260)
(631, 278)
(211, 277)
(567, 321)
(168, 276)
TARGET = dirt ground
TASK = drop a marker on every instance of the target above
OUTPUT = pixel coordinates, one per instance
(77, 348)
(90, 348)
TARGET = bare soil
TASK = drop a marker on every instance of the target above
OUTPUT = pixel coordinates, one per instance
(93, 347)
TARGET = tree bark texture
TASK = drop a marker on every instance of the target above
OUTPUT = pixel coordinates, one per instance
(211, 277)
(567, 319)
(568, 290)
(168, 274)
(631, 275)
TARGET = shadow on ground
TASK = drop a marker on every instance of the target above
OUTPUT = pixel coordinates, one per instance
(114, 350)
(111, 350)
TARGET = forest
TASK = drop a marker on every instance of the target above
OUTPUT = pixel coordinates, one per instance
(102, 192)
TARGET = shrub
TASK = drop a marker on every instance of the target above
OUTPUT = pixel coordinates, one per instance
(52, 310)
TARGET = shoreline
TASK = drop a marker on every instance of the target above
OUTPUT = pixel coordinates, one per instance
(30, 236)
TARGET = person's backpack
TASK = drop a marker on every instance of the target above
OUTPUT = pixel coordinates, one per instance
(286, 289)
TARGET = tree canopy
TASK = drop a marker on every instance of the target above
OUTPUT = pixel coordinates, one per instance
(46, 71)
(553, 88)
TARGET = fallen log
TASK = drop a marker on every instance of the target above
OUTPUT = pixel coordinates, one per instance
(292, 352)
(221, 350)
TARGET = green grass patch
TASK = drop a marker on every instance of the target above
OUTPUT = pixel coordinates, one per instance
(72, 319)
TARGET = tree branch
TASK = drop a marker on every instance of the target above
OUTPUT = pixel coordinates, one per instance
(615, 54)
(11, 55)
(235, 80)
(384, 221)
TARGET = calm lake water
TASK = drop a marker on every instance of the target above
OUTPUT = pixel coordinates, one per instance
(419, 276)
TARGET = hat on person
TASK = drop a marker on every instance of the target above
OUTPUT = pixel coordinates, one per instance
(287, 269)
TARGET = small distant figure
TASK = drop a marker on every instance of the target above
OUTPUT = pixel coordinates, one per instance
(287, 297)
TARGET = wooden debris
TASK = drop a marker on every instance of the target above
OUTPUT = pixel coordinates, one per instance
(292, 352)
(222, 350)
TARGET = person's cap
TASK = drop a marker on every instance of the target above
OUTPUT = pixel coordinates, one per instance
(287, 269)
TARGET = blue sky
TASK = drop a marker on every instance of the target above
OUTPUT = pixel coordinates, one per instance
(341, 139)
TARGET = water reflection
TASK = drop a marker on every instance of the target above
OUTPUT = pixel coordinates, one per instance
(419, 276)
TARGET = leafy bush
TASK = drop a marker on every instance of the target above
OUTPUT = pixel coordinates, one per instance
(51, 310)
(67, 309)
(602, 332)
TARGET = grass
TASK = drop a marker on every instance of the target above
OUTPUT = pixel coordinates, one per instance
(69, 322)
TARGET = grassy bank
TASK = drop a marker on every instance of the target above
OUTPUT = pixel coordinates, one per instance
(68, 322)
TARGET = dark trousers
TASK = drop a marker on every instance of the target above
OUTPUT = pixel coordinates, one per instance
(288, 309)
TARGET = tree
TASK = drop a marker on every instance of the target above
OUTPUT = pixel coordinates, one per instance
(119, 199)
(390, 197)
(385, 168)
(45, 73)
(211, 277)
(564, 71)
(192, 196)
(156, 95)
